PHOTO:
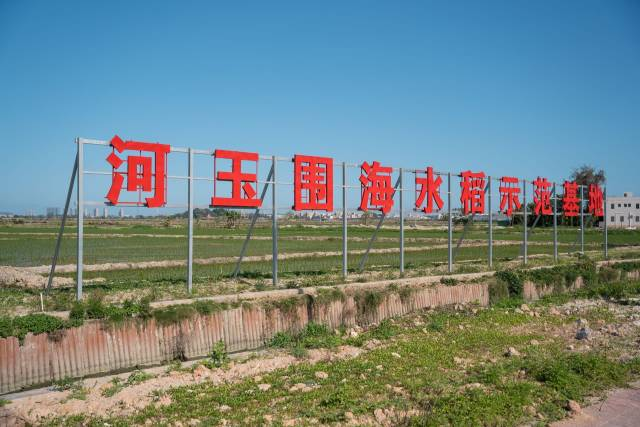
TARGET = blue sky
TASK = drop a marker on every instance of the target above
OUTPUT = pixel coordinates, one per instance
(511, 88)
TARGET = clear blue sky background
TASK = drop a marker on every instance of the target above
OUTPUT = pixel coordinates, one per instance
(513, 88)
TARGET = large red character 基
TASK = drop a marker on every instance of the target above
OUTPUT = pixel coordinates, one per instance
(570, 201)
(312, 183)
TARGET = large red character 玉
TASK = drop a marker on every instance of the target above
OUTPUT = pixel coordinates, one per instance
(509, 191)
(243, 193)
(140, 176)
(429, 188)
(377, 192)
(472, 197)
(312, 183)
(570, 199)
(596, 207)
(542, 196)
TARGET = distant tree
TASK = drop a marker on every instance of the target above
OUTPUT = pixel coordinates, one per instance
(587, 175)
(232, 218)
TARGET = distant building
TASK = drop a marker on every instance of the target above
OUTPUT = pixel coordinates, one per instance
(623, 212)
(52, 212)
(106, 212)
(121, 214)
(96, 212)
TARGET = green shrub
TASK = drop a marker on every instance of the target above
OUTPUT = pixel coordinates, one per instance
(514, 281)
(218, 356)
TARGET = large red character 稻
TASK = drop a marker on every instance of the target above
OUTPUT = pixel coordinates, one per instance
(509, 191)
(140, 176)
(429, 188)
(570, 199)
(472, 197)
(312, 183)
(542, 196)
(596, 200)
(377, 192)
(243, 193)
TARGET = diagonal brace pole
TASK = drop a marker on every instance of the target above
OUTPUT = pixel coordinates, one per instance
(464, 232)
(253, 223)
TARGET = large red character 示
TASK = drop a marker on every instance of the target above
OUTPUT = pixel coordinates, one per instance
(377, 192)
(509, 191)
(243, 193)
(140, 176)
(570, 201)
(596, 202)
(312, 183)
(542, 196)
(472, 197)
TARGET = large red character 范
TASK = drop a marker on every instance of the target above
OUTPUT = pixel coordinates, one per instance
(243, 193)
(377, 192)
(542, 196)
(312, 183)
(570, 199)
(429, 188)
(509, 191)
(596, 207)
(140, 176)
(472, 197)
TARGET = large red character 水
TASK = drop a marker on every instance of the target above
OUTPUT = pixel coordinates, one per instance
(542, 196)
(509, 191)
(570, 201)
(429, 188)
(472, 197)
(596, 207)
(243, 193)
(144, 173)
(312, 183)
(377, 192)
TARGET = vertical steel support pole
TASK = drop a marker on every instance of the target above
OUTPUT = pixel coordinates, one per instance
(490, 226)
(582, 219)
(190, 224)
(450, 233)
(606, 220)
(274, 226)
(344, 220)
(524, 220)
(555, 223)
(401, 224)
(80, 224)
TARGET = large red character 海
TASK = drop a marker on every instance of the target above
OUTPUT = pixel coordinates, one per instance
(472, 197)
(542, 196)
(377, 192)
(140, 176)
(429, 188)
(570, 199)
(509, 191)
(243, 193)
(596, 207)
(312, 183)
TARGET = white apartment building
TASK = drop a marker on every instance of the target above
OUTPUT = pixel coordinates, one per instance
(623, 212)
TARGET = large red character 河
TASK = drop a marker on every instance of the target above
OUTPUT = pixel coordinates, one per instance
(542, 196)
(570, 199)
(243, 193)
(377, 192)
(472, 197)
(429, 188)
(312, 183)
(596, 207)
(509, 191)
(144, 173)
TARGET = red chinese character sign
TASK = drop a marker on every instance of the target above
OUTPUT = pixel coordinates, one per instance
(542, 196)
(570, 200)
(429, 189)
(312, 183)
(243, 192)
(509, 191)
(472, 197)
(377, 192)
(596, 202)
(144, 173)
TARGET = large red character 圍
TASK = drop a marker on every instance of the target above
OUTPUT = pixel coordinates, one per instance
(509, 191)
(144, 173)
(472, 197)
(570, 199)
(243, 193)
(312, 183)
(596, 202)
(542, 196)
(377, 192)
(429, 188)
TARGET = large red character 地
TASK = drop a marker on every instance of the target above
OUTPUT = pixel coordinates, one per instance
(472, 197)
(429, 188)
(144, 173)
(542, 196)
(509, 191)
(570, 199)
(243, 193)
(377, 192)
(596, 202)
(312, 183)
